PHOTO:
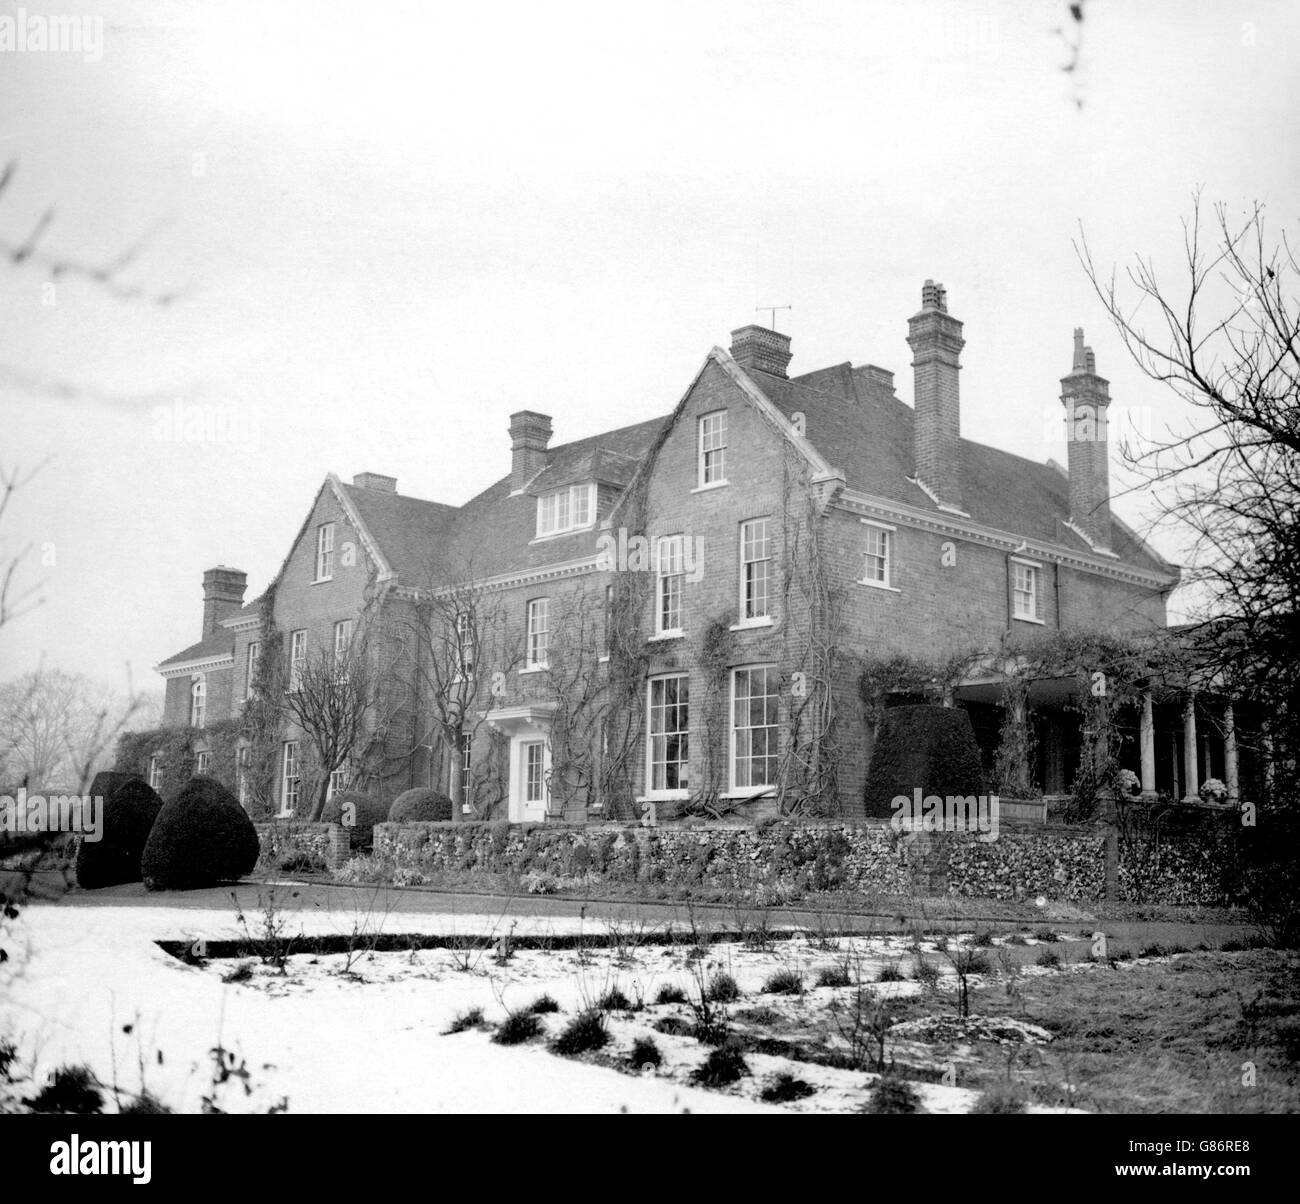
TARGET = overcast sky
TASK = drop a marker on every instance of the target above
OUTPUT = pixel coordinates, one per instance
(394, 225)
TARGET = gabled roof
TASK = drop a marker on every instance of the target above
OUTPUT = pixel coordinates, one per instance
(854, 425)
(220, 643)
(404, 528)
(495, 532)
(860, 426)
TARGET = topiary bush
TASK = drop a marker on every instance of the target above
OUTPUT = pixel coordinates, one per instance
(362, 814)
(421, 805)
(930, 747)
(108, 782)
(201, 838)
(130, 809)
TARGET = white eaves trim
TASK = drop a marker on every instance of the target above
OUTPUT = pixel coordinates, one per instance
(1107, 565)
(384, 569)
(204, 665)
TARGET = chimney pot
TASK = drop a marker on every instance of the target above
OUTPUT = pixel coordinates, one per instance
(934, 296)
(757, 347)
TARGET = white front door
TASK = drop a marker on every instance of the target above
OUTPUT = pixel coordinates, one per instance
(529, 792)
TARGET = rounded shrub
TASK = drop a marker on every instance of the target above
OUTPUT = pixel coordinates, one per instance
(200, 838)
(108, 782)
(930, 748)
(357, 812)
(130, 808)
(420, 805)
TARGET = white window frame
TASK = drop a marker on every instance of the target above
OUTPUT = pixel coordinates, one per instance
(466, 761)
(772, 681)
(526, 797)
(324, 552)
(748, 611)
(202, 764)
(297, 657)
(338, 781)
(1032, 571)
(670, 583)
(155, 771)
(880, 561)
(537, 645)
(683, 761)
(558, 511)
(254, 655)
(290, 778)
(243, 760)
(465, 646)
(198, 702)
(342, 639)
(711, 441)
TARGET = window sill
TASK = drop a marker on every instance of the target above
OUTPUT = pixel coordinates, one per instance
(668, 796)
(744, 795)
(602, 659)
(561, 534)
(533, 669)
(665, 635)
(1028, 619)
(889, 589)
(321, 580)
(750, 624)
(710, 485)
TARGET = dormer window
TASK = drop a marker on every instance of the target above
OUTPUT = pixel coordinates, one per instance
(568, 509)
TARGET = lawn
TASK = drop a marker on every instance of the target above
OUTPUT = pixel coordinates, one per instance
(702, 1013)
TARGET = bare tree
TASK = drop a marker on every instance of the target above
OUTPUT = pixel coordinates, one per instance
(1226, 340)
(329, 697)
(595, 677)
(15, 598)
(461, 649)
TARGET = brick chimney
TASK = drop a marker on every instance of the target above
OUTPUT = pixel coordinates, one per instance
(375, 480)
(761, 348)
(1086, 397)
(935, 339)
(223, 595)
(530, 433)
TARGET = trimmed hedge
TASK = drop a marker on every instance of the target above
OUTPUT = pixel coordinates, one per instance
(131, 807)
(925, 746)
(201, 838)
(421, 805)
(365, 813)
(108, 782)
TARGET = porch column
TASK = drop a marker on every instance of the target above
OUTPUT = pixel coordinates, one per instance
(1230, 753)
(1147, 746)
(1191, 778)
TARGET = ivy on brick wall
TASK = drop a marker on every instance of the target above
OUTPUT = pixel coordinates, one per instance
(261, 717)
(176, 751)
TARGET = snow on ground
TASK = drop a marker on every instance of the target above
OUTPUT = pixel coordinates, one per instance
(374, 1040)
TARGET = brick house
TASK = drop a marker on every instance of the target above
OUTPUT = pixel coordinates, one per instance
(733, 557)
